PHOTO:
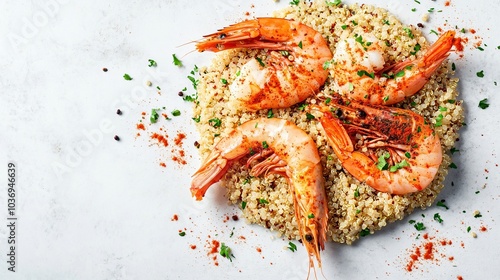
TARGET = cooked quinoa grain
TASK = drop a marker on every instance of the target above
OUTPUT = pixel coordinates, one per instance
(353, 206)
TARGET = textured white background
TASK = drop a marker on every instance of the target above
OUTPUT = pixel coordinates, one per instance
(93, 208)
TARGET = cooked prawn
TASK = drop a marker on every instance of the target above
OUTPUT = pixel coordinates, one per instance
(290, 152)
(360, 73)
(392, 150)
(290, 72)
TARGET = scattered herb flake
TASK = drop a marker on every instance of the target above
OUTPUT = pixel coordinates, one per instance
(453, 66)
(477, 214)
(334, 3)
(356, 192)
(154, 116)
(197, 119)
(215, 122)
(344, 27)
(152, 63)
(300, 44)
(310, 216)
(433, 32)
(176, 113)
(382, 163)
(265, 145)
(182, 233)
(295, 2)
(480, 74)
(292, 246)
(270, 113)
(364, 232)
(437, 218)
(176, 61)
(127, 77)
(263, 201)
(453, 165)
(310, 116)
(223, 81)
(419, 226)
(243, 205)
(441, 204)
(483, 104)
(260, 61)
(225, 251)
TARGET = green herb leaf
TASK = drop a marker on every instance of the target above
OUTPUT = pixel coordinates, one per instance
(300, 44)
(441, 204)
(295, 2)
(356, 192)
(382, 163)
(182, 233)
(265, 145)
(225, 251)
(152, 63)
(223, 81)
(270, 113)
(453, 165)
(197, 119)
(478, 215)
(364, 232)
(292, 246)
(215, 122)
(334, 3)
(480, 74)
(409, 32)
(127, 77)
(483, 104)
(154, 116)
(407, 155)
(344, 27)
(439, 120)
(399, 165)
(263, 201)
(468, 229)
(243, 205)
(176, 113)
(327, 64)
(310, 216)
(437, 218)
(310, 116)
(419, 226)
(260, 62)
(176, 61)
(434, 32)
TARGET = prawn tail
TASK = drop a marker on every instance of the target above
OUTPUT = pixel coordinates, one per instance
(437, 53)
(211, 171)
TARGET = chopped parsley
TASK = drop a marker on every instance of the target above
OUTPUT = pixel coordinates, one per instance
(441, 204)
(433, 32)
(364, 232)
(344, 27)
(356, 192)
(270, 113)
(334, 3)
(310, 216)
(263, 201)
(310, 116)
(292, 246)
(295, 2)
(453, 66)
(182, 233)
(419, 226)
(260, 61)
(399, 165)
(243, 205)
(409, 32)
(407, 155)
(127, 77)
(223, 81)
(468, 229)
(327, 64)
(437, 218)
(431, 10)
(453, 165)
(362, 73)
(386, 22)
(225, 251)
(215, 122)
(300, 44)
(439, 120)
(265, 145)
(480, 74)
(483, 104)
(197, 119)
(154, 116)
(176, 113)
(176, 61)
(152, 63)
(416, 49)
(477, 214)
(382, 163)
(454, 150)
(414, 9)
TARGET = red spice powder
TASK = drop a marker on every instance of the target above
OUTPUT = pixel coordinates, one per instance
(192, 246)
(473, 31)
(162, 164)
(447, 3)
(483, 229)
(428, 250)
(178, 140)
(259, 250)
(458, 44)
(460, 277)
(175, 218)
(161, 139)
(141, 126)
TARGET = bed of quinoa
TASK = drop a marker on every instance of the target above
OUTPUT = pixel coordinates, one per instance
(353, 206)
